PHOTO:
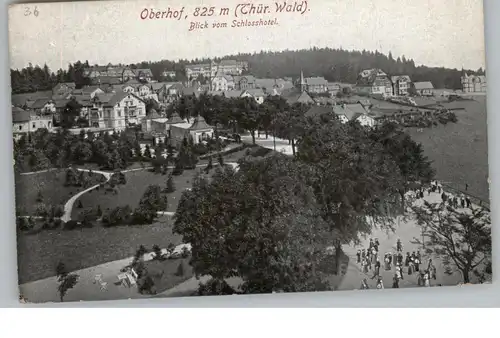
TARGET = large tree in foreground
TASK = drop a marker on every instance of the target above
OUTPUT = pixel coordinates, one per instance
(461, 238)
(66, 280)
(260, 223)
(355, 181)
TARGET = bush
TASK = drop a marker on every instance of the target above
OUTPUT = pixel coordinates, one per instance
(170, 185)
(185, 252)
(157, 252)
(25, 224)
(39, 197)
(80, 204)
(71, 225)
(41, 210)
(180, 270)
(178, 170)
(215, 287)
(117, 216)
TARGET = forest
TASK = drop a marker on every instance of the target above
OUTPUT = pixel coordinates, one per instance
(335, 65)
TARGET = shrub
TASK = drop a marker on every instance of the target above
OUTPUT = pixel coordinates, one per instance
(80, 204)
(41, 210)
(99, 211)
(25, 224)
(215, 287)
(117, 216)
(180, 270)
(71, 225)
(39, 197)
(185, 252)
(170, 185)
(157, 252)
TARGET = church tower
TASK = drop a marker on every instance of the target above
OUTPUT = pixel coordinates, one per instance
(302, 82)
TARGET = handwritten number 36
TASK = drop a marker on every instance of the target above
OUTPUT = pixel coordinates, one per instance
(28, 12)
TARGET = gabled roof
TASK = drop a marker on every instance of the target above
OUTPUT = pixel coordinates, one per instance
(90, 89)
(317, 111)
(106, 80)
(199, 124)
(228, 63)
(20, 115)
(113, 99)
(40, 103)
(423, 85)
(293, 96)
(315, 81)
(71, 85)
(401, 78)
(357, 108)
(145, 71)
(232, 93)
(175, 119)
(343, 110)
(153, 115)
(255, 92)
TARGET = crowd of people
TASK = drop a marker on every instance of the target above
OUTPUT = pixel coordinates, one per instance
(409, 264)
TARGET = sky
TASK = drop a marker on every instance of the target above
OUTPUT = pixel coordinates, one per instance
(435, 33)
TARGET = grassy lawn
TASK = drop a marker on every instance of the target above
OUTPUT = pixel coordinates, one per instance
(50, 184)
(164, 273)
(39, 254)
(460, 151)
(131, 193)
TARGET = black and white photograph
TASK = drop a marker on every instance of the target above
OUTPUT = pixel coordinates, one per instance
(203, 148)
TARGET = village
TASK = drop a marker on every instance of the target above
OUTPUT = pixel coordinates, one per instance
(110, 168)
(122, 97)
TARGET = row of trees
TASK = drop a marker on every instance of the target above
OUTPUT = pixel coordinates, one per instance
(334, 64)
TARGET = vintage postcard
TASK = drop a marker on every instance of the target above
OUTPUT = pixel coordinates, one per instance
(191, 148)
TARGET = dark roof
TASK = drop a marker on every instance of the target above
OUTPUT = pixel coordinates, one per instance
(357, 108)
(70, 85)
(293, 96)
(153, 115)
(199, 124)
(20, 115)
(40, 103)
(423, 85)
(175, 119)
(106, 80)
(117, 97)
(317, 111)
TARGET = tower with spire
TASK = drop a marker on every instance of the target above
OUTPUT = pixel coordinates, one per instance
(302, 82)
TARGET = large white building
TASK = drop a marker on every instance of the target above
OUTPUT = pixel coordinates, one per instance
(473, 83)
(117, 111)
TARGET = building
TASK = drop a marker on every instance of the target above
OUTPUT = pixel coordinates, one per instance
(64, 88)
(424, 88)
(143, 75)
(117, 111)
(374, 81)
(293, 96)
(257, 94)
(209, 70)
(473, 83)
(27, 122)
(313, 84)
(244, 82)
(198, 130)
(222, 82)
(111, 74)
(400, 85)
(169, 73)
(150, 122)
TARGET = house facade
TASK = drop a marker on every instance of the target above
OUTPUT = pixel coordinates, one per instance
(424, 88)
(24, 122)
(374, 81)
(473, 83)
(400, 85)
(116, 111)
(222, 82)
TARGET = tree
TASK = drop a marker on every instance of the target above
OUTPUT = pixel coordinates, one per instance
(152, 201)
(66, 280)
(39, 197)
(354, 181)
(157, 252)
(461, 238)
(180, 269)
(414, 166)
(260, 223)
(147, 151)
(170, 184)
(114, 160)
(209, 165)
(80, 205)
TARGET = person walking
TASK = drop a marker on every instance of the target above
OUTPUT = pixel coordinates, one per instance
(395, 282)
(468, 202)
(399, 246)
(410, 268)
(466, 186)
(407, 259)
(370, 246)
(462, 202)
(427, 281)
(443, 197)
(380, 283)
(386, 262)
(363, 254)
(400, 259)
(420, 279)
(364, 284)
(376, 272)
(416, 263)
(358, 256)
(364, 265)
